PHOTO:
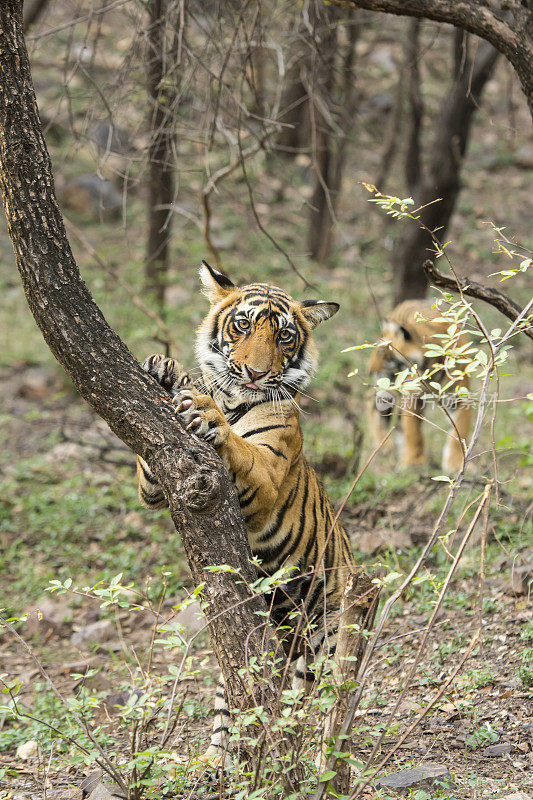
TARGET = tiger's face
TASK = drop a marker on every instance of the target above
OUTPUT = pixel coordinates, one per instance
(400, 349)
(256, 342)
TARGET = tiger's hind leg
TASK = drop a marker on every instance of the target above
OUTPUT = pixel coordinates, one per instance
(319, 644)
(217, 754)
(305, 679)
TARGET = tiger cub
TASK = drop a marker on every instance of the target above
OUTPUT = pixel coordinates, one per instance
(405, 332)
(256, 352)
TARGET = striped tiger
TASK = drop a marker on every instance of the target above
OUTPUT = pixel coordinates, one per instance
(256, 352)
(405, 332)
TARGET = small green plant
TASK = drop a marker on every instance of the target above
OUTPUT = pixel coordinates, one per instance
(490, 606)
(478, 678)
(527, 632)
(445, 649)
(483, 736)
(525, 674)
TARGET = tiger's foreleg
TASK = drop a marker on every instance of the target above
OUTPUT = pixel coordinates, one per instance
(257, 462)
(452, 454)
(172, 377)
(412, 444)
(378, 421)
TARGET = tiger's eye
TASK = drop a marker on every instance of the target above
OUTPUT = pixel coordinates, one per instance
(285, 335)
(242, 324)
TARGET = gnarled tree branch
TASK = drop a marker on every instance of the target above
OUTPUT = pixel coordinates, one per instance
(473, 289)
(507, 25)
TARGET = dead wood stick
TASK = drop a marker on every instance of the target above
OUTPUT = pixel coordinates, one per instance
(471, 288)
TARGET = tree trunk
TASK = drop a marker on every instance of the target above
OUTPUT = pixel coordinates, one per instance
(413, 163)
(295, 135)
(162, 93)
(310, 102)
(333, 115)
(32, 12)
(508, 27)
(322, 81)
(442, 181)
(202, 499)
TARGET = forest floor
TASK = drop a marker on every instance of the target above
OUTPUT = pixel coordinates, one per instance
(68, 503)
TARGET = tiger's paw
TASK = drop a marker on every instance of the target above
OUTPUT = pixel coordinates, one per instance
(216, 758)
(201, 415)
(168, 372)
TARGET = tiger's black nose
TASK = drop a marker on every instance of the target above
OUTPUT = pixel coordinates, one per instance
(254, 374)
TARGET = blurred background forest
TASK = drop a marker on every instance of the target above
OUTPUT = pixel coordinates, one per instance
(243, 133)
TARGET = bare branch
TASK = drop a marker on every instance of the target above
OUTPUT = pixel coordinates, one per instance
(507, 26)
(493, 297)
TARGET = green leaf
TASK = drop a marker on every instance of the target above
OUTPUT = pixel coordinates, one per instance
(358, 347)
(222, 568)
(327, 776)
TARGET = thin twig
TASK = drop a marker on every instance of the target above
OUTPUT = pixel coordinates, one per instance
(114, 274)
(109, 767)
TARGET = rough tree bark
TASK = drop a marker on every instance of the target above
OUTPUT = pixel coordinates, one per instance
(441, 180)
(317, 110)
(203, 502)
(162, 91)
(324, 22)
(413, 164)
(506, 24)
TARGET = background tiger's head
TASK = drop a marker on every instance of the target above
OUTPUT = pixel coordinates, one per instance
(256, 341)
(405, 332)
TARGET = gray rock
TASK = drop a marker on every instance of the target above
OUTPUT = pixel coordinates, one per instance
(91, 781)
(93, 788)
(495, 750)
(101, 631)
(406, 779)
(524, 156)
(64, 794)
(92, 195)
(28, 750)
(101, 792)
(516, 796)
(115, 702)
(39, 383)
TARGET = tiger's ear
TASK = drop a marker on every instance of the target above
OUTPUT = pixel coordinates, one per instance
(316, 311)
(216, 285)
